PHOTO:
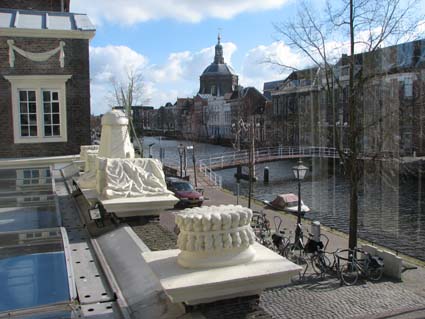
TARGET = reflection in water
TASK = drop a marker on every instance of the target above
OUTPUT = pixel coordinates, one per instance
(391, 209)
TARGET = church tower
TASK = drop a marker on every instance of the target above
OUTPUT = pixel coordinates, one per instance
(218, 78)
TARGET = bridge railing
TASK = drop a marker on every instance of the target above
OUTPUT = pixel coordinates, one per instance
(268, 153)
(215, 178)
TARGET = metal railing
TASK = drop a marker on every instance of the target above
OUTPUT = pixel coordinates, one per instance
(216, 179)
(207, 165)
(266, 154)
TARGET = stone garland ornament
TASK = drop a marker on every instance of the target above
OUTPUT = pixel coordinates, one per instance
(36, 57)
(215, 236)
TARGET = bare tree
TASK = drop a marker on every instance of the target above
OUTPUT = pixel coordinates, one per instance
(359, 26)
(127, 94)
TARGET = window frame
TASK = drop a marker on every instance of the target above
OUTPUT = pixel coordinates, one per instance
(38, 83)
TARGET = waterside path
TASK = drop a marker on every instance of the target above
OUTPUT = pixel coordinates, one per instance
(312, 297)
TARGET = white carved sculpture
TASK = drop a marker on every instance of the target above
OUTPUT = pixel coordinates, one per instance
(84, 149)
(88, 178)
(137, 177)
(215, 236)
(115, 140)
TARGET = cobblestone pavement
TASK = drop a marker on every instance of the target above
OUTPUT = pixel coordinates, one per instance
(308, 298)
(154, 235)
(314, 298)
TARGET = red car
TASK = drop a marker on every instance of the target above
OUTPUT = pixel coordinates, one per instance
(189, 197)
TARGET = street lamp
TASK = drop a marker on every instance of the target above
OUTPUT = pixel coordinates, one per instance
(181, 149)
(191, 147)
(150, 149)
(248, 127)
(299, 171)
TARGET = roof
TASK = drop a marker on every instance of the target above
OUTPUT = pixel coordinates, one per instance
(41, 23)
(219, 69)
(272, 85)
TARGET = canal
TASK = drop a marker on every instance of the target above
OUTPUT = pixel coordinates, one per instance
(391, 206)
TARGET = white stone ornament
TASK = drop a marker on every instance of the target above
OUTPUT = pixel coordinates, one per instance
(36, 56)
(125, 178)
(215, 236)
(115, 140)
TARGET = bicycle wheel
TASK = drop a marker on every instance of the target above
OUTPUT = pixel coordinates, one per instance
(320, 264)
(375, 273)
(349, 274)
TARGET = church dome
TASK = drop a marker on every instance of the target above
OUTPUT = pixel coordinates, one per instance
(219, 69)
(218, 78)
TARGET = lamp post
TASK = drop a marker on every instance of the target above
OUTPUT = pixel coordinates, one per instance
(299, 171)
(181, 149)
(192, 147)
(248, 127)
(150, 149)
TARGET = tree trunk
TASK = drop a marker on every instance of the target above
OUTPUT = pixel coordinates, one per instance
(352, 157)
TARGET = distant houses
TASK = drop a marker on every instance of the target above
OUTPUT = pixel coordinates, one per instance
(302, 110)
(44, 79)
(307, 112)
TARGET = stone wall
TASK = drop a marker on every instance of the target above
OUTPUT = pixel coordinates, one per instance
(42, 5)
(77, 94)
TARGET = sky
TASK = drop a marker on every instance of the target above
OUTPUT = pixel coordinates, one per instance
(171, 42)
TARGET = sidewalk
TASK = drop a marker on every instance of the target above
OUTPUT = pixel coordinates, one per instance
(316, 298)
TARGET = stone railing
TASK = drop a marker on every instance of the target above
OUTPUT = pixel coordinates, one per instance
(215, 236)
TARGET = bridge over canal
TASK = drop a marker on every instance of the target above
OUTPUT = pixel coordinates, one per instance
(269, 154)
(208, 165)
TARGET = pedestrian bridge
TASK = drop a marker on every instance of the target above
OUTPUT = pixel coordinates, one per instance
(269, 154)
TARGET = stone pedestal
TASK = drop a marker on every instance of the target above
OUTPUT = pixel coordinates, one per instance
(218, 258)
(194, 286)
(124, 185)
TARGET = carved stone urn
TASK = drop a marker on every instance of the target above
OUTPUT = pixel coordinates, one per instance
(215, 236)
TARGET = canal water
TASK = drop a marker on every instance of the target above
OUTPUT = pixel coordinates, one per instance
(391, 207)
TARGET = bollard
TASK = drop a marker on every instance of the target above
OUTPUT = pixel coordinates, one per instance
(266, 175)
(315, 230)
(238, 171)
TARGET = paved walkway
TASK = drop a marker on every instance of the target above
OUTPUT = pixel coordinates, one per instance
(324, 298)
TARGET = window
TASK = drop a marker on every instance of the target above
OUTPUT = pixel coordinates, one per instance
(27, 113)
(39, 108)
(408, 87)
(51, 113)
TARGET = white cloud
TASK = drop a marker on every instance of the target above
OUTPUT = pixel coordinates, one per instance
(108, 63)
(177, 77)
(188, 65)
(128, 12)
(257, 69)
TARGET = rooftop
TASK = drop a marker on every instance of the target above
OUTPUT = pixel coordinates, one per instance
(15, 21)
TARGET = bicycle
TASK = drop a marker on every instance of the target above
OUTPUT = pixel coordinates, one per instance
(323, 265)
(370, 267)
(279, 240)
(261, 227)
(260, 223)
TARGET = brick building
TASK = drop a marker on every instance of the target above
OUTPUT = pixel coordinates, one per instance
(390, 104)
(44, 78)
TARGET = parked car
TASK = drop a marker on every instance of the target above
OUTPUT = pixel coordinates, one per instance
(188, 195)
